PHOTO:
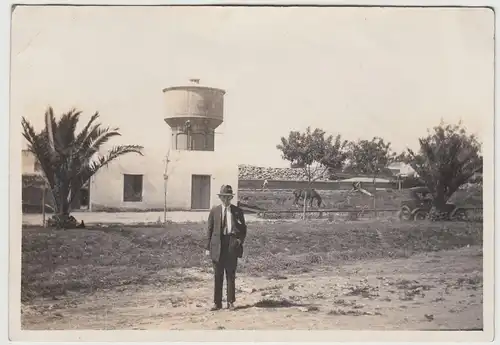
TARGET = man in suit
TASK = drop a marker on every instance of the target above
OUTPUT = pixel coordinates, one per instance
(226, 233)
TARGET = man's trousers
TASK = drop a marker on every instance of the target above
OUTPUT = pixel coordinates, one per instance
(227, 264)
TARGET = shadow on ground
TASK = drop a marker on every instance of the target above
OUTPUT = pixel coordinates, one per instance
(271, 304)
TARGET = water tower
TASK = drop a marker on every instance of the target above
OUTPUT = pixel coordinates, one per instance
(193, 112)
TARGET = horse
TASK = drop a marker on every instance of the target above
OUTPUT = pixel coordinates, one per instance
(307, 194)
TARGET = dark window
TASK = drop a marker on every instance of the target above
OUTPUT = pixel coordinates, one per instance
(197, 142)
(132, 187)
(194, 141)
(209, 141)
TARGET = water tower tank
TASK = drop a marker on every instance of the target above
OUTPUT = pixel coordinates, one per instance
(193, 112)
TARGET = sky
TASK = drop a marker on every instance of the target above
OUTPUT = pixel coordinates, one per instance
(358, 72)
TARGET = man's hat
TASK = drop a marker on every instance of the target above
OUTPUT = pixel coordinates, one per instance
(226, 190)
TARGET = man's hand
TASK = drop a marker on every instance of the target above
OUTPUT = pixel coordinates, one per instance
(207, 252)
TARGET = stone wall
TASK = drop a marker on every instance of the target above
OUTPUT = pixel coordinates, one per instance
(249, 172)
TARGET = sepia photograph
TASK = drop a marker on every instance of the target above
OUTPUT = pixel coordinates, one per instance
(264, 168)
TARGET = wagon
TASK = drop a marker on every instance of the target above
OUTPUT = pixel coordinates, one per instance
(419, 203)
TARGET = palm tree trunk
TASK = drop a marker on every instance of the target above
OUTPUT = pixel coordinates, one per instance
(61, 218)
(439, 211)
(56, 197)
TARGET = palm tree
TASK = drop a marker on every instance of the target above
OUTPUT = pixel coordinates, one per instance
(69, 159)
(447, 159)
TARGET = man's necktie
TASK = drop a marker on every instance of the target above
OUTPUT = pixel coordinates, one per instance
(224, 222)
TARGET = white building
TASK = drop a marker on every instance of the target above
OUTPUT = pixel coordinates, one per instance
(195, 170)
(402, 169)
(29, 164)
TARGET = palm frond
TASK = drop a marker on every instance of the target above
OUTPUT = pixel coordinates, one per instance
(49, 127)
(67, 126)
(82, 136)
(28, 131)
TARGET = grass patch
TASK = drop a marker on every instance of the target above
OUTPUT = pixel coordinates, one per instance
(57, 261)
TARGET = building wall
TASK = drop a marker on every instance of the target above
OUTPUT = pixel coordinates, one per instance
(401, 168)
(106, 187)
(106, 191)
(186, 163)
(32, 192)
(28, 163)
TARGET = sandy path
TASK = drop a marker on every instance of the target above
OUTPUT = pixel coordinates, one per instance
(379, 294)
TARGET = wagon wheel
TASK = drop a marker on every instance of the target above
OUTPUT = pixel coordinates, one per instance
(405, 214)
(459, 214)
(420, 215)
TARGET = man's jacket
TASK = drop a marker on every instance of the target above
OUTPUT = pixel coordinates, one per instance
(214, 232)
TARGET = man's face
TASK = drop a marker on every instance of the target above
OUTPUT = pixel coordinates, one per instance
(226, 199)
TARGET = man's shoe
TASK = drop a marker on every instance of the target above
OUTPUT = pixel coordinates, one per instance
(216, 307)
(230, 306)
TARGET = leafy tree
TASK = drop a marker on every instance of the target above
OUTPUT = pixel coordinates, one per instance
(370, 157)
(69, 159)
(313, 151)
(448, 157)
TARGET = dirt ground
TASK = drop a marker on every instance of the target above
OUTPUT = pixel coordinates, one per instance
(433, 290)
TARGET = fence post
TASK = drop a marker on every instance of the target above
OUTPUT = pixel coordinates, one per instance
(305, 205)
(43, 206)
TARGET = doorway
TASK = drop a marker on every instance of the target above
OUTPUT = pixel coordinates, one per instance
(84, 198)
(200, 192)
